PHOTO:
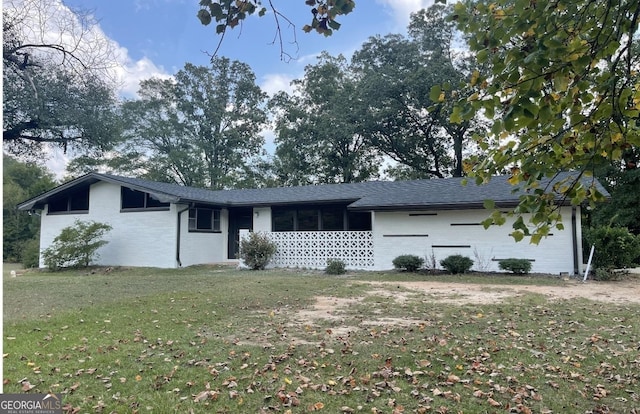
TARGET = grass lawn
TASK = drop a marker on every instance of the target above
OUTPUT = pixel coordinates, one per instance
(215, 339)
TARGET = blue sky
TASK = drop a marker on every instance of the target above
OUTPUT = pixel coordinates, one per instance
(157, 37)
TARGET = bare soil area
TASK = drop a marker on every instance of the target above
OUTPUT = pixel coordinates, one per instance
(336, 309)
(612, 292)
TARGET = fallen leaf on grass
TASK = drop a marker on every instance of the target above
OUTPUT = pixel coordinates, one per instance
(27, 386)
(206, 395)
(493, 402)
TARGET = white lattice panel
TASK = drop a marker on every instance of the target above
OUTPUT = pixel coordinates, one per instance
(312, 249)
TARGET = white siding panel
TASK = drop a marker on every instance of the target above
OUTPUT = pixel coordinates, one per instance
(423, 234)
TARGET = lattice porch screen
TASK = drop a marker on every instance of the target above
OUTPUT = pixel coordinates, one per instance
(311, 249)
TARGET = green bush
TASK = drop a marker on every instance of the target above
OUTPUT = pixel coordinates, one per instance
(76, 246)
(605, 274)
(457, 264)
(335, 267)
(31, 253)
(520, 266)
(256, 250)
(615, 247)
(408, 262)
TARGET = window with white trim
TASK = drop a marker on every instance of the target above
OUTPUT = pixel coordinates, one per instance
(204, 220)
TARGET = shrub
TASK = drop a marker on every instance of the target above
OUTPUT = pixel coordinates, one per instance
(31, 253)
(76, 246)
(521, 266)
(615, 248)
(256, 250)
(335, 267)
(408, 262)
(605, 274)
(457, 264)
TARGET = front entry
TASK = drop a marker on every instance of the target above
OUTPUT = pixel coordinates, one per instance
(239, 219)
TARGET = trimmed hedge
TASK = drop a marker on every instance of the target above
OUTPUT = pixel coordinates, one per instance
(457, 264)
(408, 262)
(519, 266)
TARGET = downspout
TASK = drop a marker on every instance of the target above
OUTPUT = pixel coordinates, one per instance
(178, 235)
(574, 235)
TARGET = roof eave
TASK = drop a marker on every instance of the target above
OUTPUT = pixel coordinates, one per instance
(38, 202)
(431, 206)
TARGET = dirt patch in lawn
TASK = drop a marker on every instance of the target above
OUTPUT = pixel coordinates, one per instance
(336, 309)
(627, 291)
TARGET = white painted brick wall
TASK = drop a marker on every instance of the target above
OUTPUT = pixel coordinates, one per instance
(262, 219)
(202, 248)
(149, 238)
(553, 255)
(143, 238)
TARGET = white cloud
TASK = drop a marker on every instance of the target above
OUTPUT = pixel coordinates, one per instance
(56, 161)
(128, 73)
(53, 22)
(273, 83)
(402, 9)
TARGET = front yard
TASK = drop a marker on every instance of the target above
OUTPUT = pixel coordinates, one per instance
(216, 339)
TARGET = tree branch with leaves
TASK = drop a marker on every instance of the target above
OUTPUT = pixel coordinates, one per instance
(228, 14)
(563, 94)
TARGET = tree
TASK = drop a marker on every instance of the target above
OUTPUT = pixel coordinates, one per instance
(21, 181)
(198, 129)
(318, 127)
(563, 93)
(623, 183)
(55, 92)
(397, 74)
(66, 111)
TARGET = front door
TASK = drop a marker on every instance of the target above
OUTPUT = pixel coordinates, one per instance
(239, 218)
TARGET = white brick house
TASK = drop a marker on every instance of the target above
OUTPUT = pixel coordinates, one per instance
(365, 224)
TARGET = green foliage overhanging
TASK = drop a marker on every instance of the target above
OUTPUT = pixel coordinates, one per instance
(563, 93)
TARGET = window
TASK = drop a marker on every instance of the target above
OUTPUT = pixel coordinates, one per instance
(74, 202)
(283, 220)
(139, 200)
(332, 218)
(308, 220)
(325, 218)
(204, 219)
(359, 221)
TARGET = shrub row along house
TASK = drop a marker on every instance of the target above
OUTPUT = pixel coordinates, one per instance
(366, 225)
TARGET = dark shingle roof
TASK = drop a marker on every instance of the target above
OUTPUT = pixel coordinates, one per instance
(445, 193)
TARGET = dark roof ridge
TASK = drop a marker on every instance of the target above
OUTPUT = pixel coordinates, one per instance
(379, 194)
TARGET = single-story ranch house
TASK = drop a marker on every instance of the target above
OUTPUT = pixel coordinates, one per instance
(366, 224)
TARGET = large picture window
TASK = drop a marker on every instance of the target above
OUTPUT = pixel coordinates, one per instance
(204, 220)
(324, 218)
(139, 200)
(75, 202)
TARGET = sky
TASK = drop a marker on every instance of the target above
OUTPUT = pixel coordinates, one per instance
(156, 38)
